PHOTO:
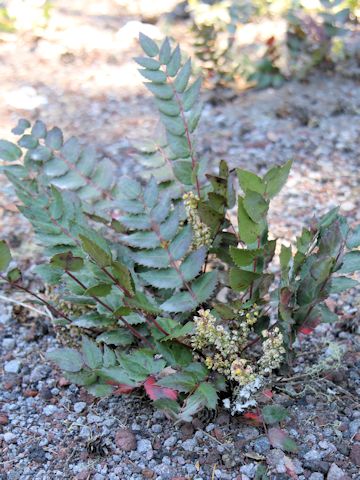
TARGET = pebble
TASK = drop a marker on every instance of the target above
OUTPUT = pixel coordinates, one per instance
(313, 455)
(170, 441)
(143, 446)
(261, 445)
(335, 473)
(91, 418)
(39, 373)
(9, 437)
(189, 445)
(8, 343)
(125, 439)
(50, 410)
(316, 476)
(355, 454)
(249, 470)
(13, 366)
(79, 407)
(354, 426)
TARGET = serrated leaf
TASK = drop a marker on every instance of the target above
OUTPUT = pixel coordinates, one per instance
(100, 390)
(9, 151)
(280, 439)
(136, 222)
(353, 240)
(208, 392)
(350, 262)
(149, 63)
(91, 352)
(109, 357)
(274, 414)
(249, 230)
(169, 228)
(67, 261)
(276, 178)
(340, 284)
(151, 193)
(183, 382)
(157, 258)
(173, 125)
(163, 278)
(181, 243)
(255, 205)
(193, 263)
(179, 302)
(155, 392)
(250, 181)
(100, 256)
(129, 187)
(174, 63)
(54, 139)
(122, 275)
(5, 256)
(141, 302)
(141, 239)
(241, 279)
(204, 286)
(191, 95)
(67, 359)
(183, 77)
(99, 290)
(168, 107)
(183, 171)
(148, 45)
(244, 257)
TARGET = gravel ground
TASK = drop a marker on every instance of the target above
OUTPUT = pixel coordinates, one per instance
(50, 429)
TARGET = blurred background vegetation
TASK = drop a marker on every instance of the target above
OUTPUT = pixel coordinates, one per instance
(236, 43)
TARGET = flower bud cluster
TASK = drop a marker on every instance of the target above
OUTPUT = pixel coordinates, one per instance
(273, 348)
(201, 231)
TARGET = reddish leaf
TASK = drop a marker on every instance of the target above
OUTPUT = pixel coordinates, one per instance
(252, 416)
(121, 389)
(156, 392)
(306, 330)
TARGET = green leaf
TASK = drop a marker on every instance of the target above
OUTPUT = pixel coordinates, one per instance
(157, 258)
(28, 141)
(14, 275)
(241, 279)
(193, 264)
(255, 205)
(183, 76)
(191, 95)
(174, 63)
(179, 145)
(168, 107)
(100, 390)
(182, 382)
(244, 257)
(249, 230)
(122, 275)
(5, 256)
(164, 92)
(183, 170)
(39, 129)
(149, 63)
(165, 52)
(100, 256)
(109, 357)
(179, 302)
(181, 243)
(280, 439)
(142, 302)
(148, 45)
(40, 154)
(163, 278)
(117, 374)
(340, 284)
(274, 414)
(67, 359)
(350, 262)
(169, 228)
(156, 76)
(21, 126)
(204, 286)
(83, 378)
(276, 178)
(119, 337)
(129, 187)
(353, 240)
(208, 392)
(250, 181)
(99, 290)
(54, 139)
(91, 352)
(141, 239)
(9, 151)
(151, 193)
(67, 261)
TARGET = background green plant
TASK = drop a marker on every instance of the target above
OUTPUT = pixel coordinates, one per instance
(137, 259)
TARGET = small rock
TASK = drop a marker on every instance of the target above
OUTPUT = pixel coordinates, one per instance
(39, 373)
(146, 473)
(335, 473)
(50, 410)
(125, 440)
(8, 343)
(316, 476)
(157, 428)
(144, 446)
(85, 432)
(13, 366)
(355, 454)
(354, 426)
(79, 407)
(9, 437)
(4, 419)
(170, 442)
(189, 445)
(249, 469)
(261, 445)
(312, 455)
(91, 418)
